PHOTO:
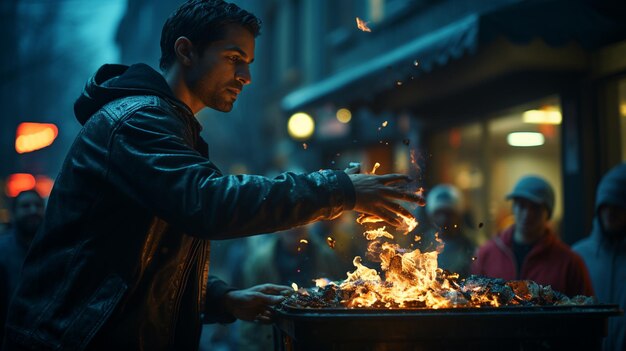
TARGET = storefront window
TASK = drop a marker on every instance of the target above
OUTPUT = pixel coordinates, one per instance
(485, 160)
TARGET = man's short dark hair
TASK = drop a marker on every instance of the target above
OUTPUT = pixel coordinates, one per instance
(202, 22)
(22, 193)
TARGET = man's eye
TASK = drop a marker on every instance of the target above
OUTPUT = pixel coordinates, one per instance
(233, 58)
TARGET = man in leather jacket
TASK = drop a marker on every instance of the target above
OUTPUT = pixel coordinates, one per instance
(123, 256)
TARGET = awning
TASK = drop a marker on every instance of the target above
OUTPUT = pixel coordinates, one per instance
(557, 22)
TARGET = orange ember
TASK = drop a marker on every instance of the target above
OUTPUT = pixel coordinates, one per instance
(362, 25)
(331, 242)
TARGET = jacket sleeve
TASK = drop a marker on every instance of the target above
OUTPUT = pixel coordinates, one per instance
(214, 308)
(578, 279)
(151, 161)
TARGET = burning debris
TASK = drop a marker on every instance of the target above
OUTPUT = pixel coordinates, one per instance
(412, 279)
(362, 25)
(447, 291)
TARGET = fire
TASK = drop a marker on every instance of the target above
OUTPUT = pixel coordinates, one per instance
(411, 278)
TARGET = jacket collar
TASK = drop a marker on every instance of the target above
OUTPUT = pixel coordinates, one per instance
(548, 239)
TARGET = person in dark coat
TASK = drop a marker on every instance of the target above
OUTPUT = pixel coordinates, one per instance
(604, 251)
(122, 259)
(27, 211)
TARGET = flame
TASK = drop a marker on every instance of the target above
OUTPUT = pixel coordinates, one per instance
(294, 286)
(365, 218)
(377, 233)
(322, 282)
(408, 224)
(362, 25)
(409, 278)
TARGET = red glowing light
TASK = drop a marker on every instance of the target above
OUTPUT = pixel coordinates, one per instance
(18, 182)
(34, 136)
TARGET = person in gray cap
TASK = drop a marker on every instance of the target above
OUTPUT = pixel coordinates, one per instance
(529, 249)
(604, 251)
(444, 206)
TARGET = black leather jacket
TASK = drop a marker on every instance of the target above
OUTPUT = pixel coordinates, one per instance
(122, 260)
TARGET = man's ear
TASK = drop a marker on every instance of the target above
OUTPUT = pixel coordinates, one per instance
(183, 47)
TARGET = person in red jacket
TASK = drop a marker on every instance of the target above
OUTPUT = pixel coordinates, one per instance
(529, 249)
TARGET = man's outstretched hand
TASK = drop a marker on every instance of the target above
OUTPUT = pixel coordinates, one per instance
(375, 195)
(253, 304)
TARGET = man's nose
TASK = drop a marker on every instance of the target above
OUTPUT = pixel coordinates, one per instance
(243, 75)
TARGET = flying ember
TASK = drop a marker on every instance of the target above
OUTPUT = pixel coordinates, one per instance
(376, 166)
(331, 242)
(362, 25)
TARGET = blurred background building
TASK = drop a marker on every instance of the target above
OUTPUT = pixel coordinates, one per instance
(468, 92)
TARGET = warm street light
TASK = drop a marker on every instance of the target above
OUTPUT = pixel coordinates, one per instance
(344, 115)
(525, 139)
(300, 126)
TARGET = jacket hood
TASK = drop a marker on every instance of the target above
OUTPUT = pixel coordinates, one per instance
(112, 82)
(612, 188)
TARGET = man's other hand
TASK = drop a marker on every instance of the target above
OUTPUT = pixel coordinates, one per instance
(253, 304)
